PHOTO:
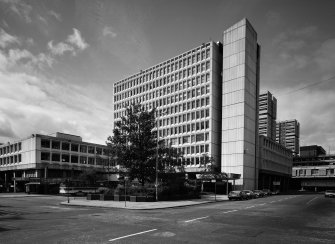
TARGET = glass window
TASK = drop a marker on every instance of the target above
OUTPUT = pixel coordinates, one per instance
(74, 159)
(55, 145)
(74, 147)
(45, 143)
(65, 158)
(83, 160)
(90, 149)
(65, 146)
(45, 156)
(55, 157)
(199, 137)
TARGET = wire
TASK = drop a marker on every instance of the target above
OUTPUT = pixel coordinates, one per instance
(307, 86)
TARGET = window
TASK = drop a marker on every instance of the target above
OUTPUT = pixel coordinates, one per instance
(45, 156)
(65, 146)
(74, 147)
(74, 159)
(91, 160)
(83, 148)
(55, 157)
(65, 158)
(45, 143)
(199, 137)
(83, 160)
(90, 149)
(55, 145)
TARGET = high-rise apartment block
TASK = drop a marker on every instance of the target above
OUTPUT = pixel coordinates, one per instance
(267, 115)
(287, 134)
(206, 101)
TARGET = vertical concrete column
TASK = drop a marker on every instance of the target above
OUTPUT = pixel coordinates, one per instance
(14, 181)
(45, 172)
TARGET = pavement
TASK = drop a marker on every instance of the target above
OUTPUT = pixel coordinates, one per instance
(144, 205)
(83, 202)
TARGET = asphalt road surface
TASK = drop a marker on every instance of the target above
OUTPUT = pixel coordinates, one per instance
(275, 219)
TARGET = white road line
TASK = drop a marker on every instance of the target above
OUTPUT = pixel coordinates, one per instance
(139, 233)
(261, 204)
(273, 202)
(231, 211)
(250, 207)
(311, 200)
(196, 219)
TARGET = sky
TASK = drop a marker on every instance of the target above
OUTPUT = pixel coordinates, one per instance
(59, 59)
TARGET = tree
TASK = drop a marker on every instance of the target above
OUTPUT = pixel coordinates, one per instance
(134, 143)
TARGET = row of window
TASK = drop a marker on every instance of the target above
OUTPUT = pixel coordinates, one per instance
(179, 108)
(171, 65)
(75, 159)
(10, 160)
(11, 148)
(200, 114)
(204, 125)
(66, 146)
(200, 137)
(159, 83)
(181, 86)
(314, 172)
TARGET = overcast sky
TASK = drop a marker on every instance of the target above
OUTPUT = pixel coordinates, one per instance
(59, 59)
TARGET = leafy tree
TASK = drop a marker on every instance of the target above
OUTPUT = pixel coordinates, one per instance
(134, 144)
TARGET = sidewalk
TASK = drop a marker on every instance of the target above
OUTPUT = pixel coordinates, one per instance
(144, 205)
(19, 194)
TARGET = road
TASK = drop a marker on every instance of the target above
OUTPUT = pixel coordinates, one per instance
(275, 219)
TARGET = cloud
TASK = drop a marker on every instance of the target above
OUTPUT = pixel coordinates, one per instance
(108, 31)
(41, 105)
(273, 18)
(55, 15)
(7, 39)
(6, 129)
(324, 56)
(21, 8)
(60, 48)
(77, 39)
(42, 19)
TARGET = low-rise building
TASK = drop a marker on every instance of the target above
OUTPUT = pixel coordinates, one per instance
(275, 165)
(314, 169)
(50, 159)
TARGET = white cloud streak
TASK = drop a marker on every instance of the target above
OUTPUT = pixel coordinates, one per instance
(7, 39)
(77, 40)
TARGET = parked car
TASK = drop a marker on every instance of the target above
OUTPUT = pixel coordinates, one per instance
(267, 192)
(259, 193)
(249, 194)
(236, 195)
(330, 193)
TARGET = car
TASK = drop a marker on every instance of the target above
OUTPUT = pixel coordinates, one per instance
(236, 195)
(249, 194)
(330, 193)
(267, 192)
(259, 193)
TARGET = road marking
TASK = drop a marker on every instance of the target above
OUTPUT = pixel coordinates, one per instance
(261, 204)
(139, 233)
(311, 200)
(250, 207)
(230, 211)
(196, 219)
(273, 202)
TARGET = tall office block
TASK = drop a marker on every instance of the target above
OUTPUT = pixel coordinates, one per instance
(186, 92)
(206, 101)
(287, 134)
(267, 115)
(240, 91)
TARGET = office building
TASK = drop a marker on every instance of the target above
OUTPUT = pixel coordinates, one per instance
(275, 165)
(50, 159)
(287, 134)
(267, 115)
(206, 101)
(313, 170)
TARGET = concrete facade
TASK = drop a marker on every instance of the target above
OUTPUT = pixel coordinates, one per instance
(288, 134)
(50, 158)
(267, 115)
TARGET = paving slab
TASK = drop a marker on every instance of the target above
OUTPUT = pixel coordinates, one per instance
(143, 205)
